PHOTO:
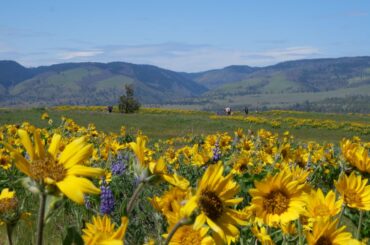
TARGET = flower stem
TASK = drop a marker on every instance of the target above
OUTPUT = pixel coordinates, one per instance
(9, 231)
(40, 221)
(241, 241)
(131, 203)
(340, 215)
(285, 242)
(300, 232)
(182, 222)
(358, 233)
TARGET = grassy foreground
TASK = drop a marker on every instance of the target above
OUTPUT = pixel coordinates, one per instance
(164, 123)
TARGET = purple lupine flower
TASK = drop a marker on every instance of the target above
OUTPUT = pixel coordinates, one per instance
(118, 168)
(216, 153)
(119, 156)
(106, 199)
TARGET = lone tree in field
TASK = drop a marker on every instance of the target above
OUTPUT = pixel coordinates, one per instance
(127, 103)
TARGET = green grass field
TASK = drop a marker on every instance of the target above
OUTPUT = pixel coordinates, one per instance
(167, 124)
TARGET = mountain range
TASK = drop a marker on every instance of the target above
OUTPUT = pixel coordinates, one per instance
(282, 85)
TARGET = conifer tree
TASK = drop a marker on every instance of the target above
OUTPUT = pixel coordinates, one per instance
(127, 102)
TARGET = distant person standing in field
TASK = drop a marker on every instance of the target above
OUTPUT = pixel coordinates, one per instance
(110, 108)
(246, 110)
(228, 111)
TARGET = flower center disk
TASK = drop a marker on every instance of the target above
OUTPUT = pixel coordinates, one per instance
(211, 205)
(323, 241)
(47, 168)
(276, 202)
(8, 204)
(352, 196)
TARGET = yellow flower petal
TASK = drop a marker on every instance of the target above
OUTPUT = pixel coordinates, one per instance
(79, 156)
(80, 170)
(71, 149)
(189, 207)
(20, 162)
(5, 193)
(111, 242)
(199, 221)
(216, 228)
(120, 233)
(232, 202)
(26, 142)
(74, 188)
(39, 147)
(54, 145)
(176, 180)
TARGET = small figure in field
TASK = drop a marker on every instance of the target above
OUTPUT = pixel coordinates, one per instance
(110, 108)
(228, 111)
(246, 110)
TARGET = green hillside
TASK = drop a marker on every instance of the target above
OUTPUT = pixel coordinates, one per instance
(356, 98)
(215, 78)
(11, 73)
(293, 76)
(294, 84)
(97, 83)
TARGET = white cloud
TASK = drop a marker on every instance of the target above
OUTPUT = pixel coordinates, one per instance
(290, 52)
(278, 55)
(68, 55)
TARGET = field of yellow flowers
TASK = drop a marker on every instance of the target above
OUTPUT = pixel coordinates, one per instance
(70, 184)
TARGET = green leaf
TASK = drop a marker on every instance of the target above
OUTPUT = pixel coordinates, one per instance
(72, 237)
(51, 204)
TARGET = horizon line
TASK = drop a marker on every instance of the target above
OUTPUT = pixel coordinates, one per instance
(212, 69)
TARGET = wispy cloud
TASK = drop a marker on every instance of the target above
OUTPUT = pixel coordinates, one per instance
(284, 54)
(290, 52)
(69, 55)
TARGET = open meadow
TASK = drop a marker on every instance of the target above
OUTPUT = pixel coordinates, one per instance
(168, 123)
(74, 175)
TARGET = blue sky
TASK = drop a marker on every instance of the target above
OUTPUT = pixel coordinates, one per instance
(182, 35)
